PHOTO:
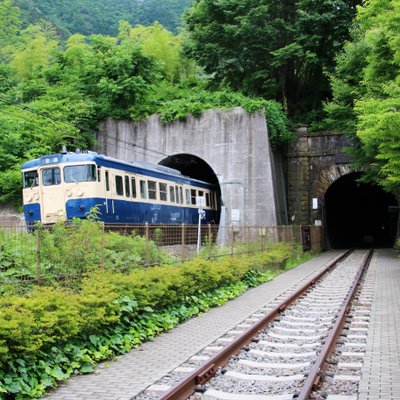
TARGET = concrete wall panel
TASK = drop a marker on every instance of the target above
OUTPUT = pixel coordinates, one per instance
(234, 143)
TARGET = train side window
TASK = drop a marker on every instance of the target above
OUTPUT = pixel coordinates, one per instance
(207, 199)
(31, 179)
(107, 181)
(127, 187)
(171, 194)
(133, 182)
(119, 185)
(177, 194)
(143, 189)
(152, 190)
(80, 173)
(163, 191)
(193, 196)
(187, 193)
(99, 174)
(181, 194)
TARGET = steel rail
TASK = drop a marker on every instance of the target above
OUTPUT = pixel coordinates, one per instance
(207, 370)
(314, 377)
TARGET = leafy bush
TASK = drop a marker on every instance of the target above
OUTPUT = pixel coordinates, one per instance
(15, 252)
(52, 333)
(192, 97)
(72, 251)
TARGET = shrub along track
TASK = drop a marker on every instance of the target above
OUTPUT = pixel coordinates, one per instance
(288, 351)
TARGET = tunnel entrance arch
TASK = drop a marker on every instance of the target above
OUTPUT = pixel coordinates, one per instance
(232, 142)
(191, 165)
(359, 214)
(196, 168)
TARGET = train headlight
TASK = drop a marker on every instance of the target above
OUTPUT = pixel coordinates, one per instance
(36, 196)
(80, 193)
(68, 193)
(60, 213)
(28, 199)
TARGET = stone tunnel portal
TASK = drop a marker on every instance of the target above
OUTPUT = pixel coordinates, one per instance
(359, 214)
(194, 167)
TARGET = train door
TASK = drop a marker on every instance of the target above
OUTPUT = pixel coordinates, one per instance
(52, 195)
(110, 207)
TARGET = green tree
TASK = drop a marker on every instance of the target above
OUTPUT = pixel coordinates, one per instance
(378, 110)
(9, 26)
(272, 49)
(37, 47)
(121, 77)
(366, 101)
(159, 43)
(88, 17)
(40, 127)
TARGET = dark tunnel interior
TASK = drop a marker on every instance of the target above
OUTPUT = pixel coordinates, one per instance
(191, 166)
(194, 167)
(359, 215)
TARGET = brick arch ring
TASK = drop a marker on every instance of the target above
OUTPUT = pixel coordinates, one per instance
(328, 176)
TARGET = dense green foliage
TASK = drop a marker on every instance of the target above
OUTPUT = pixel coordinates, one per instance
(54, 93)
(277, 50)
(366, 103)
(101, 16)
(52, 333)
(175, 102)
(54, 89)
(66, 253)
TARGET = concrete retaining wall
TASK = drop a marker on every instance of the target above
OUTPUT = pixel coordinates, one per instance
(233, 143)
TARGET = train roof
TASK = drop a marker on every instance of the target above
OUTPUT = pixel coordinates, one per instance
(154, 170)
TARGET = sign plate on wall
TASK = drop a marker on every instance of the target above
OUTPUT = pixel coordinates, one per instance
(235, 215)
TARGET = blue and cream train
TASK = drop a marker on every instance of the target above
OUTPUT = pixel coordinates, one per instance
(68, 185)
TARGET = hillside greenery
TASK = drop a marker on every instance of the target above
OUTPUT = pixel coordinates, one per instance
(102, 16)
(54, 92)
(366, 93)
(274, 49)
(333, 64)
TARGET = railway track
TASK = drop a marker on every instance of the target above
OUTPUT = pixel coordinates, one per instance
(309, 343)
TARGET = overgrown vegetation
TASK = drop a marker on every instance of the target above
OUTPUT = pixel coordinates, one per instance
(53, 332)
(55, 88)
(366, 93)
(193, 97)
(275, 49)
(54, 92)
(64, 254)
(88, 17)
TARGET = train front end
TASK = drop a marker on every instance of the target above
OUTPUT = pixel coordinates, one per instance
(59, 187)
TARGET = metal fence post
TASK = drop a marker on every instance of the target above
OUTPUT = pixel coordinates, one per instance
(209, 241)
(232, 240)
(262, 239)
(147, 244)
(183, 255)
(38, 244)
(102, 246)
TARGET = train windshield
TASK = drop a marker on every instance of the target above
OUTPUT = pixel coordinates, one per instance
(30, 179)
(80, 173)
(51, 176)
